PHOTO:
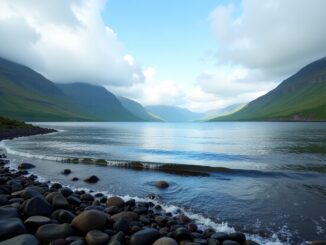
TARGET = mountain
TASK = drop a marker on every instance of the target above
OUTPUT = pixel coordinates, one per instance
(224, 111)
(174, 113)
(137, 109)
(97, 100)
(27, 95)
(301, 97)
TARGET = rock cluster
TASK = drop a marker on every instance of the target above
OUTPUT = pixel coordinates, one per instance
(34, 212)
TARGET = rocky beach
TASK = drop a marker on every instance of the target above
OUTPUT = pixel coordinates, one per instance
(37, 211)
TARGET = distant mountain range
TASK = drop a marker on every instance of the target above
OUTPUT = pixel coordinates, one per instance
(174, 113)
(138, 110)
(301, 97)
(27, 95)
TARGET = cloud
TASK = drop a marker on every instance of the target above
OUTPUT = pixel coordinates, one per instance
(275, 36)
(66, 41)
(153, 91)
(259, 43)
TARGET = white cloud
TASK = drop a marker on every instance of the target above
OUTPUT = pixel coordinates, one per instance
(153, 91)
(66, 41)
(276, 36)
(258, 45)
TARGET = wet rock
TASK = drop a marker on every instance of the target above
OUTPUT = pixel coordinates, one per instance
(6, 213)
(37, 206)
(25, 239)
(118, 237)
(144, 237)
(75, 179)
(92, 179)
(220, 236)
(50, 232)
(56, 186)
(162, 184)
(66, 171)
(95, 207)
(192, 227)
(113, 210)
(87, 197)
(59, 201)
(115, 201)
(73, 200)
(26, 165)
(165, 241)
(63, 216)
(182, 233)
(183, 219)
(128, 215)
(96, 237)
(89, 220)
(318, 243)
(249, 242)
(237, 237)
(212, 241)
(66, 191)
(59, 241)
(11, 227)
(121, 225)
(230, 242)
(34, 222)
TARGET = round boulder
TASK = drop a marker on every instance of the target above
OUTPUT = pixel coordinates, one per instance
(25, 239)
(162, 184)
(165, 241)
(26, 165)
(37, 206)
(51, 232)
(96, 237)
(115, 201)
(66, 171)
(89, 220)
(144, 237)
(92, 179)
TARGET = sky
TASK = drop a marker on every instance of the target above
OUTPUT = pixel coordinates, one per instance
(198, 54)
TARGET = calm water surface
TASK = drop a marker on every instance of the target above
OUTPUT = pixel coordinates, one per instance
(274, 185)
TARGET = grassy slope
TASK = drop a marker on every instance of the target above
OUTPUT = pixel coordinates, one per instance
(31, 105)
(98, 101)
(6, 123)
(137, 109)
(300, 97)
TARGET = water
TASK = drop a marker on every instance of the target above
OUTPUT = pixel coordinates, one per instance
(266, 178)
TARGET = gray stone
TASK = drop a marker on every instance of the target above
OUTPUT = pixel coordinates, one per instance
(115, 201)
(8, 213)
(63, 216)
(50, 232)
(128, 215)
(25, 239)
(90, 220)
(165, 241)
(37, 206)
(11, 227)
(144, 237)
(96, 237)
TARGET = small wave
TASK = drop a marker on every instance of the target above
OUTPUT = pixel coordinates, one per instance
(25, 154)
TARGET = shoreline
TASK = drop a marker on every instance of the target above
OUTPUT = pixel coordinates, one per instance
(22, 132)
(36, 212)
(151, 218)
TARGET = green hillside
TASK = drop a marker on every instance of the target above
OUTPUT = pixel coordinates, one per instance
(137, 109)
(301, 97)
(27, 95)
(98, 101)
(6, 123)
